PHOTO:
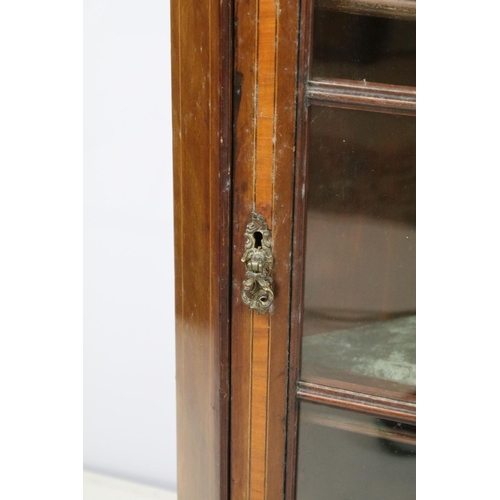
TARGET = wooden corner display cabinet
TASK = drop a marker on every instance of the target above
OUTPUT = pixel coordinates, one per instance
(294, 177)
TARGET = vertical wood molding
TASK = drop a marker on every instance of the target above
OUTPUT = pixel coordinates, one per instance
(264, 139)
(201, 97)
(299, 240)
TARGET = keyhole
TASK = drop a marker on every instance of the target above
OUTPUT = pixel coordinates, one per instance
(258, 239)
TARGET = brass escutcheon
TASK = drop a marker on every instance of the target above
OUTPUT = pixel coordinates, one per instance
(257, 290)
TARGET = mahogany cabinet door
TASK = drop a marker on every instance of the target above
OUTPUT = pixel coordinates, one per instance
(294, 134)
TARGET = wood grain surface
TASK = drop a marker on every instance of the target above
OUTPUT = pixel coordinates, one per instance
(201, 97)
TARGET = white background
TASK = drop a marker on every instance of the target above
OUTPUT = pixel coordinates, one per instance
(128, 280)
(41, 219)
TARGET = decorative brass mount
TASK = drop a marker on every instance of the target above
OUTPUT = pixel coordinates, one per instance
(257, 290)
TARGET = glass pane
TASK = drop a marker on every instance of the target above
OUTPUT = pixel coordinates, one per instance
(346, 456)
(359, 303)
(363, 47)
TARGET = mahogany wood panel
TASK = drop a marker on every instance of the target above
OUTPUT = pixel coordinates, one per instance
(201, 97)
(264, 136)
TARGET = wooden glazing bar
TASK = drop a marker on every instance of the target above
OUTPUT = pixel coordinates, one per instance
(398, 9)
(361, 384)
(390, 98)
(376, 405)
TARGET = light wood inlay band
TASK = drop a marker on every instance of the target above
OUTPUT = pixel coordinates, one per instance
(265, 92)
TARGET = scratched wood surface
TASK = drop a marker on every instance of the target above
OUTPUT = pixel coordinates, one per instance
(265, 62)
(201, 101)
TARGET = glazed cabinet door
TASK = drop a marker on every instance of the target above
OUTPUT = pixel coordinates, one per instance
(352, 407)
(294, 178)
(323, 398)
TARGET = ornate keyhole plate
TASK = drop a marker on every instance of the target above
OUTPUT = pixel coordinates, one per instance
(257, 290)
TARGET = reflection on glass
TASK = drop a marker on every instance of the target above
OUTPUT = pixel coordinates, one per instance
(346, 456)
(363, 47)
(359, 317)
